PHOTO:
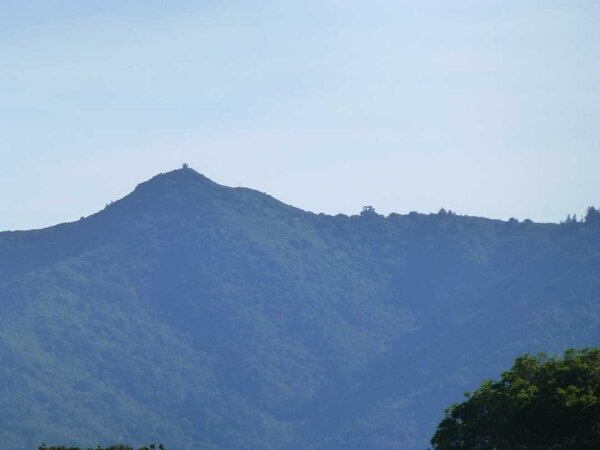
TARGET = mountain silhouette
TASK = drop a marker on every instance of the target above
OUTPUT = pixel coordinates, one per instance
(205, 316)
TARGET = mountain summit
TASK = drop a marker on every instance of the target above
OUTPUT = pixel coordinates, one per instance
(212, 317)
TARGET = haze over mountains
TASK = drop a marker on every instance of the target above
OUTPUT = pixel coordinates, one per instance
(210, 317)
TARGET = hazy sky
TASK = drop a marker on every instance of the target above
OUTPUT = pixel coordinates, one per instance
(488, 108)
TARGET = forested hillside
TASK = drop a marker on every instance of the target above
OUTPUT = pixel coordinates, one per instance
(210, 317)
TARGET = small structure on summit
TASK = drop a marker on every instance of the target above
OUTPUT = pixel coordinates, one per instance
(185, 166)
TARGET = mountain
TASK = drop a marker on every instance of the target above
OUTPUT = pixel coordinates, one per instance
(209, 317)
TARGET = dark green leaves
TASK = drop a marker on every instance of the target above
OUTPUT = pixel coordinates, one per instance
(540, 403)
(112, 447)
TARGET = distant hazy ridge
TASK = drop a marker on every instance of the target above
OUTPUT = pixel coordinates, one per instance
(209, 317)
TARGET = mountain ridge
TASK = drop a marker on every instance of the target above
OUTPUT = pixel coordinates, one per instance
(176, 176)
(222, 318)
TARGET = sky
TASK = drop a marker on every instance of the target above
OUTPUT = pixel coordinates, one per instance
(485, 108)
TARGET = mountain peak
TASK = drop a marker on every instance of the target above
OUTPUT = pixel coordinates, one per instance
(177, 179)
(183, 173)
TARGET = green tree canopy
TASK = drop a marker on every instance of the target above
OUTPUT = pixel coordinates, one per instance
(112, 447)
(540, 403)
(592, 215)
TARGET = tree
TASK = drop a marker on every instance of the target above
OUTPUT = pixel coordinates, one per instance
(540, 403)
(368, 211)
(592, 215)
(112, 447)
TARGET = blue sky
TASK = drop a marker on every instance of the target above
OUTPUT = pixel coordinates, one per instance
(487, 108)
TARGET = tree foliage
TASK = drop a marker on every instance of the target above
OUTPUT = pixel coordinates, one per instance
(540, 403)
(111, 447)
(592, 215)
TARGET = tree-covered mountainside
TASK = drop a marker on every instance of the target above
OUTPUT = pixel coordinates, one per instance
(210, 317)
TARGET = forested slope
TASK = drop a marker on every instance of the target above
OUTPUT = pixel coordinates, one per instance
(204, 316)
